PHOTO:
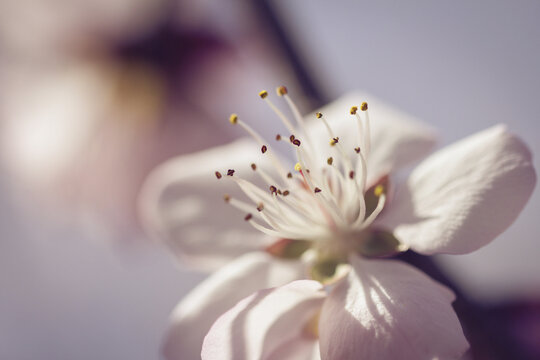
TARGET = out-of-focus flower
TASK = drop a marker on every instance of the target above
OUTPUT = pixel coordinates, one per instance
(333, 213)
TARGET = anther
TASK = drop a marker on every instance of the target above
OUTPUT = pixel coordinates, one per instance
(278, 137)
(253, 166)
(227, 198)
(379, 190)
(330, 160)
(318, 115)
(233, 119)
(317, 190)
(273, 189)
(286, 192)
(230, 172)
(248, 217)
(354, 109)
(334, 141)
(357, 149)
(281, 90)
(291, 138)
(263, 94)
(351, 174)
(260, 207)
(278, 192)
(289, 175)
(264, 149)
(218, 174)
(296, 142)
(363, 107)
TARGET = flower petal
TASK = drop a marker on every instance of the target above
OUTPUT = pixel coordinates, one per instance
(195, 314)
(397, 139)
(266, 323)
(387, 309)
(462, 197)
(181, 204)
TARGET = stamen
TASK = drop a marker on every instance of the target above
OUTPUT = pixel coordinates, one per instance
(351, 174)
(253, 166)
(248, 217)
(230, 172)
(227, 198)
(264, 95)
(233, 119)
(278, 137)
(330, 160)
(260, 207)
(218, 175)
(316, 190)
(264, 149)
(367, 135)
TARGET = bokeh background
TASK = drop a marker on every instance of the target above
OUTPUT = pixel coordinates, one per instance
(93, 95)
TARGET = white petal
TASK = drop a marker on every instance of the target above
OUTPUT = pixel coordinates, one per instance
(463, 196)
(387, 309)
(195, 314)
(264, 323)
(397, 139)
(182, 204)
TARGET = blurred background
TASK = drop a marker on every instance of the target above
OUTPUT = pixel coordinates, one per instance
(93, 95)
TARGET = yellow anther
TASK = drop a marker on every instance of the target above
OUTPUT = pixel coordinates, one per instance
(318, 115)
(363, 107)
(233, 119)
(281, 90)
(263, 94)
(354, 109)
(297, 167)
(379, 190)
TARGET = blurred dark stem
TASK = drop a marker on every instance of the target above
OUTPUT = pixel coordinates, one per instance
(489, 330)
(268, 14)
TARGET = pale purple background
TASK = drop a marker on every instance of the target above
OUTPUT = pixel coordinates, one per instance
(461, 66)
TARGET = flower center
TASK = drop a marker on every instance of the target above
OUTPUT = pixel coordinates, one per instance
(324, 202)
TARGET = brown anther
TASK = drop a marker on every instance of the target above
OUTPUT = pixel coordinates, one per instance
(318, 115)
(357, 149)
(263, 94)
(281, 90)
(253, 166)
(273, 189)
(260, 207)
(279, 192)
(278, 137)
(286, 192)
(248, 217)
(291, 138)
(264, 149)
(296, 142)
(330, 160)
(317, 190)
(289, 175)
(307, 170)
(227, 197)
(351, 174)
(363, 107)
(230, 172)
(354, 109)
(218, 174)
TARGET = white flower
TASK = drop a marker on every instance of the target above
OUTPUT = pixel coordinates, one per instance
(337, 208)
